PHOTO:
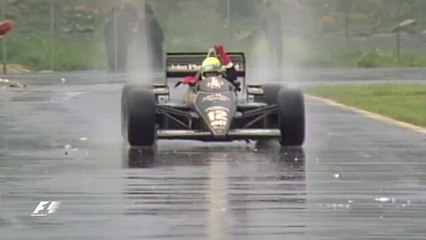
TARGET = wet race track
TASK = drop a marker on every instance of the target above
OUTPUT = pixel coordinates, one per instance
(355, 178)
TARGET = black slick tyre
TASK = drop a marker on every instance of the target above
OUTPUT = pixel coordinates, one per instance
(141, 118)
(270, 96)
(291, 117)
(125, 105)
(270, 93)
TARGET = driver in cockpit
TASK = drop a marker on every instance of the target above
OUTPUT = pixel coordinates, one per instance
(213, 66)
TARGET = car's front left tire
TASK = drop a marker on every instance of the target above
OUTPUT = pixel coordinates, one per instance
(125, 104)
(291, 117)
(141, 118)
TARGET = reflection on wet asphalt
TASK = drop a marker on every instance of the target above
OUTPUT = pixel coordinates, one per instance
(355, 178)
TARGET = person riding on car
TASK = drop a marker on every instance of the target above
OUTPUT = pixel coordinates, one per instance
(213, 66)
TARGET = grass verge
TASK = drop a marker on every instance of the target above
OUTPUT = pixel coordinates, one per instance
(404, 102)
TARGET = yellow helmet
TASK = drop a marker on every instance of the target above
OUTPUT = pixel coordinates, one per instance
(211, 64)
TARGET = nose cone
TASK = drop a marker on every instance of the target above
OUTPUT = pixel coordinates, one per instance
(217, 110)
(219, 120)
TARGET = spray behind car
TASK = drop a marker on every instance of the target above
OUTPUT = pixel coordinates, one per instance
(134, 41)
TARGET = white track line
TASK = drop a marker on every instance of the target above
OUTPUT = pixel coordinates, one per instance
(371, 115)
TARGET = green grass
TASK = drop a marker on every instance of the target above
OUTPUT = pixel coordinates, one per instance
(29, 43)
(404, 102)
(71, 52)
(86, 52)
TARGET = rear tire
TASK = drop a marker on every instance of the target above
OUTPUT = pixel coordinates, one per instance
(291, 117)
(141, 118)
(270, 96)
(270, 93)
(126, 89)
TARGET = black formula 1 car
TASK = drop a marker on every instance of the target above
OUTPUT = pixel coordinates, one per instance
(212, 110)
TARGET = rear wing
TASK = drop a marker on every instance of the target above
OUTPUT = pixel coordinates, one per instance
(180, 65)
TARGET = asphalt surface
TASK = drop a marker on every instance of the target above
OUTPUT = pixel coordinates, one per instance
(355, 178)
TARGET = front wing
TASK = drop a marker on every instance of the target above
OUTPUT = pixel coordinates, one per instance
(234, 134)
(251, 119)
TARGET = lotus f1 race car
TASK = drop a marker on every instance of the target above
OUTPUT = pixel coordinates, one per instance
(212, 110)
